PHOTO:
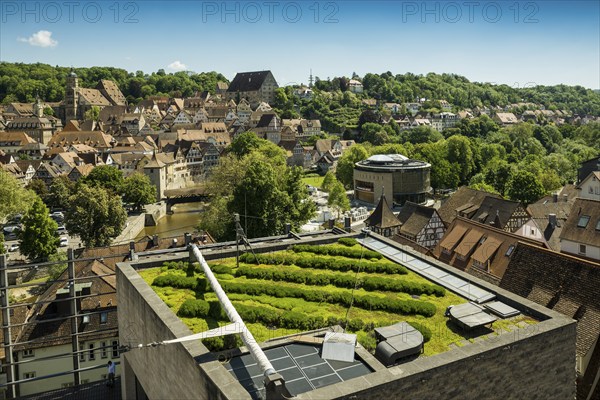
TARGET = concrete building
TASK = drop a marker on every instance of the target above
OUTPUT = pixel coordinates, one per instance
(532, 361)
(401, 178)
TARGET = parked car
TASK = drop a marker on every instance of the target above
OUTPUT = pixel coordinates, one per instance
(64, 242)
(61, 229)
(58, 216)
(13, 247)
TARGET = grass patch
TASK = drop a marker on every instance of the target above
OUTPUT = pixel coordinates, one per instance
(315, 181)
(443, 334)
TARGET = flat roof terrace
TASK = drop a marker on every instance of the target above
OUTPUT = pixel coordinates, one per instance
(449, 343)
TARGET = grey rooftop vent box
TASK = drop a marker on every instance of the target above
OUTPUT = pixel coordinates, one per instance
(339, 346)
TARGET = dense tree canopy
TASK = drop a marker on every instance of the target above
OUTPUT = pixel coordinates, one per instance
(13, 198)
(255, 182)
(38, 239)
(95, 214)
(138, 191)
(22, 82)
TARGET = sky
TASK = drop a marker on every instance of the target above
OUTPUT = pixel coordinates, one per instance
(519, 43)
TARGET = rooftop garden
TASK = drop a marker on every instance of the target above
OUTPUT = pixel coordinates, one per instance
(308, 287)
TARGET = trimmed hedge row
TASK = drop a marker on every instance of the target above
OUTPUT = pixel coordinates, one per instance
(180, 282)
(195, 308)
(317, 262)
(336, 251)
(185, 266)
(339, 280)
(344, 298)
(350, 242)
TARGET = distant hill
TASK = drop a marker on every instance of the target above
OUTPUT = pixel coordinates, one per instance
(21, 82)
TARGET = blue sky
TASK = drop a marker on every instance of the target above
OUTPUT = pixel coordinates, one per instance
(513, 42)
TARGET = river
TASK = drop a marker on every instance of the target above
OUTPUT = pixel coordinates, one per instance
(184, 219)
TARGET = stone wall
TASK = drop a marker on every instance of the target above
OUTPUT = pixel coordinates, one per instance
(537, 363)
(177, 371)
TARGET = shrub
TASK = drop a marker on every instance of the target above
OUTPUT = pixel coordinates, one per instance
(178, 281)
(425, 331)
(350, 242)
(336, 251)
(319, 262)
(355, 325)
(194, 308)
(344, 298)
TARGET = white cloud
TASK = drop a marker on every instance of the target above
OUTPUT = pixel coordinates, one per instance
(177, 66)
(40, 39)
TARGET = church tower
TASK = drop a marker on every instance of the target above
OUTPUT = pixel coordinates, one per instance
(71, 96)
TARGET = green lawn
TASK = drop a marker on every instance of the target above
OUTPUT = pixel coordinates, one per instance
(315, 181)
(443, 335)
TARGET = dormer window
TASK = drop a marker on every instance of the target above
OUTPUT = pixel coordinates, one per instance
(583, 221)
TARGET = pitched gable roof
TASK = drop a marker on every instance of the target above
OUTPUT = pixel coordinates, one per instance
(463, 199)
(583, 211)
(382, 217)
(112, 92)
(248, 81)
(558, 281)
(495, 211)
(414, 217)
(93, 97)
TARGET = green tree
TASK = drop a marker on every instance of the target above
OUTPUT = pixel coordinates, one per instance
(61, 190)
(107, 177)
(2, 248)
(96, 215)
(497, 175)
(460, 153)
(345, 168)
(38, 239)
(138, 191)
(92, 114)
(13, 197)
(39, 187)
(328, 181)
(524, 187)
(338, 198)
(56, 270)
(245, 143)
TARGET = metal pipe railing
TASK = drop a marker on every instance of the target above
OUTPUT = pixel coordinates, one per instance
(257, 353)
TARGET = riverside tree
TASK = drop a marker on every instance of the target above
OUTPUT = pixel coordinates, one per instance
(96, 215)
(38, 239)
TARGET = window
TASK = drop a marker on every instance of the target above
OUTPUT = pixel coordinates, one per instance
(583, 221)
(28, 353)
(533, 232)
(582, 249)
(82, 354)
(598, 225)
(91, 355)
(103, 317)
(591, 190)
(103, 352)
(510, 250)
(29, 375)
(115, 349)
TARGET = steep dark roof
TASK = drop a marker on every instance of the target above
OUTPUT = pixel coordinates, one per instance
(248, 81)
(492, 207)
(414, 218)
(382, 217)
(588, 234)
(540, 214)
(265, 120)
(462, 198)
(558, 281)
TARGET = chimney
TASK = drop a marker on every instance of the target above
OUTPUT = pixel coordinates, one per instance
(565, 197)
(347, 224)
(154, 240)
(552, 220)
(331, 223)
(555, 197)
(288, 228)
(188, 239)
